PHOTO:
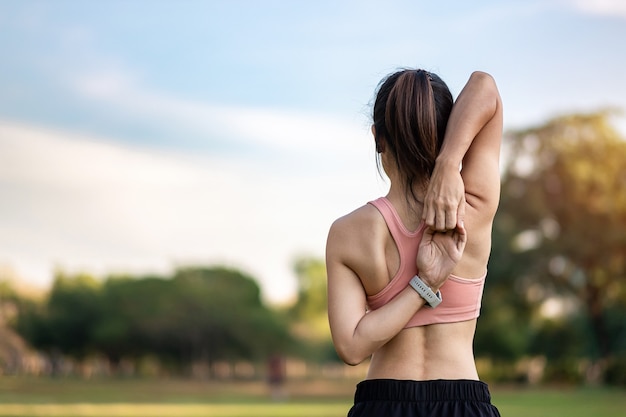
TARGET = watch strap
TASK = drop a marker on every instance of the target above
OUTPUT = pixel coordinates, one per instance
(432, 299)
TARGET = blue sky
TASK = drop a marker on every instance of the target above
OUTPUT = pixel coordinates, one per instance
(139, 136)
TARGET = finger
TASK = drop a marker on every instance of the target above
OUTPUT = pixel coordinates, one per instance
(461, 235)
(440, 220)
(429, 215)
(451, 218)
(461, 212)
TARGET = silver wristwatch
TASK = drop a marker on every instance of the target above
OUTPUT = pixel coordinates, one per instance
(432, 299)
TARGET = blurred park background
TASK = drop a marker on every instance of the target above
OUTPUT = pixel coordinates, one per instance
(169, 171)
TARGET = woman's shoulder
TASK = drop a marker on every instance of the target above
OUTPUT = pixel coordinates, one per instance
(360, 227)
(358, 239)
(364, 217)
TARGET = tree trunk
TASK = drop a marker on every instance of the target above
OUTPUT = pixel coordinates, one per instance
(598, 321)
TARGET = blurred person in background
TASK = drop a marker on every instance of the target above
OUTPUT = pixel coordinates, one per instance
(406, 272)
(276, 376)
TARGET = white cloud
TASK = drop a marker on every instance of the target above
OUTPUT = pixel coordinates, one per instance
(85, 203)
(275, 128)
(615, 8)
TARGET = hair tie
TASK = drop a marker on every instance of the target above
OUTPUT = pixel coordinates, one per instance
(428, 75)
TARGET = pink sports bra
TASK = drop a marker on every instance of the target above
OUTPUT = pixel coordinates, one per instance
(461, 296)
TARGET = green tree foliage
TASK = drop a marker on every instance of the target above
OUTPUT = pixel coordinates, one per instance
(200, 314)
(65, 323)
(129, 310)
(564, 204)
(309, 314)
(502, 333)
(221, 315)
(312, 301)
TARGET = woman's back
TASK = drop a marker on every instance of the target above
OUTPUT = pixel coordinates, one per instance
(435, 351)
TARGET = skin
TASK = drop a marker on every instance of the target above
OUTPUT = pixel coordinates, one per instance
(458, 209)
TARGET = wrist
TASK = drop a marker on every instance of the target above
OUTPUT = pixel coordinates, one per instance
(447, 162)
(416, 299)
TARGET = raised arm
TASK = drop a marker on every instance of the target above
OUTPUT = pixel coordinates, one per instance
(473, 136)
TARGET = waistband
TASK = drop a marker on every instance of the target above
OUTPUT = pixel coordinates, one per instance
(433, 390)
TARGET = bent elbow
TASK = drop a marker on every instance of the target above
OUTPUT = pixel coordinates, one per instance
(486, 82)
(352, 361)
(483, 77)
(350, 356)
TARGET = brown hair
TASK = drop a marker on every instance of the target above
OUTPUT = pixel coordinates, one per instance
(411, 112)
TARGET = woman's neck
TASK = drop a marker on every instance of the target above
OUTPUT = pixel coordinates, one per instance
(409, 206)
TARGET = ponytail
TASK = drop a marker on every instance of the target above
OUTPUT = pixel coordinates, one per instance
(410, 114)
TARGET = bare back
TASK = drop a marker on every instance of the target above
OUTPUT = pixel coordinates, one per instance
(438, 351)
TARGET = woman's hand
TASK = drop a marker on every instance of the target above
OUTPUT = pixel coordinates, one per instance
(439, 253)
(444, 203)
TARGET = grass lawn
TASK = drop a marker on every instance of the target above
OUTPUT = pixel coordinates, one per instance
(563, 402)
(25, 397)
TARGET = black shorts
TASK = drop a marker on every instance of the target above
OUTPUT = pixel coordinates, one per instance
(438, 398)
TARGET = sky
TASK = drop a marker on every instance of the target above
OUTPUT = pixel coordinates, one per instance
(139, 137)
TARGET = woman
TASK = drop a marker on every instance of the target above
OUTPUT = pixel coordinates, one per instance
(390, 261)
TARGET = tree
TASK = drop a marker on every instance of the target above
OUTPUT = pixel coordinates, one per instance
(63, 324)
(200, 314)
(129, 306)
(563, 190)
(309, 315)
(72, 309)
(503, 331)
(312, 301)
(220, 315)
